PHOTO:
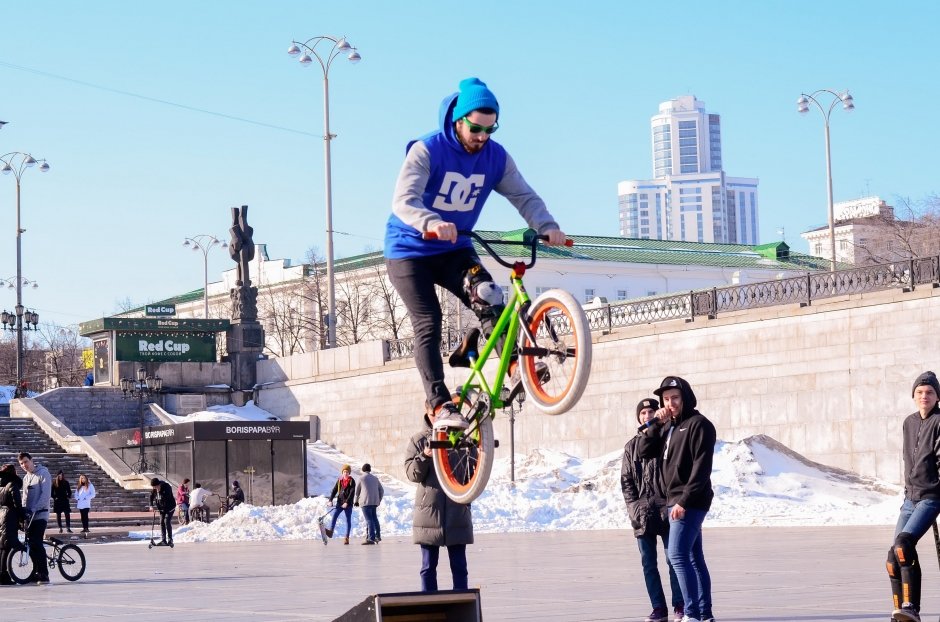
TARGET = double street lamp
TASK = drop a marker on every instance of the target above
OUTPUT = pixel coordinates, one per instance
(307, 51)
(16, 163)
(848, 104)
(204, 242)
(143, 387)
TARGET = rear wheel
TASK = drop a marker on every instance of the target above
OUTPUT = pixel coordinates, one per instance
(20, 566)
(71, 562)
(556, 367)
(463, 459)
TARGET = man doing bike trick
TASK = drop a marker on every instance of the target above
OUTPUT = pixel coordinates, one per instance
(442, 186)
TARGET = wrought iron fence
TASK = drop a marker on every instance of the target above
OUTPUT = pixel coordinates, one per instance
(802, 290)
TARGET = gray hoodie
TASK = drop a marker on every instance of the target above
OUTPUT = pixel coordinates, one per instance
(37, 490)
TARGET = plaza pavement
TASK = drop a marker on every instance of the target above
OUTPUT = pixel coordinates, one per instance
(759, 575)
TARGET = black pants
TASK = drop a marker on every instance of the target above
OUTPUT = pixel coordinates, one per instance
(415, 279)
(166, 526)
(68, 518)
(84, 514)
(37, 552)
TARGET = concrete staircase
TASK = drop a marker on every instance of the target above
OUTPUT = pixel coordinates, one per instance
(18, 435)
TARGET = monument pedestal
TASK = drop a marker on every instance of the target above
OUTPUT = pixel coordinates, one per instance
(245, 342)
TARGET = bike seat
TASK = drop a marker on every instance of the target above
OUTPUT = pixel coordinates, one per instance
(461, 356)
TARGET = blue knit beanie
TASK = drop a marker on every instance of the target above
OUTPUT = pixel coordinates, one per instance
(473, 96)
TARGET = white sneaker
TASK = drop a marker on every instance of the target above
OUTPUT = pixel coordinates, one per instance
(688, 619)
(449, 418)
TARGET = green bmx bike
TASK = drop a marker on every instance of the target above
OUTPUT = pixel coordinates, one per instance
(552, 340)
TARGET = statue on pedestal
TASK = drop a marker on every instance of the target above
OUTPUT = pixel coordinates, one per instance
(242, 250)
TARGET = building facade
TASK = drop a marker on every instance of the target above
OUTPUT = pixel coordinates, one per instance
(690, 198)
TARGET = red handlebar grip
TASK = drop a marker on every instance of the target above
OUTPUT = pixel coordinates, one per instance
(569, 242)
(428, 235)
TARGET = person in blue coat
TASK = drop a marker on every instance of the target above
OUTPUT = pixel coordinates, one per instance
(441, 189)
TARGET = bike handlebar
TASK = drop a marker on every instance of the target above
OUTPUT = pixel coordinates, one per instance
(530, 238)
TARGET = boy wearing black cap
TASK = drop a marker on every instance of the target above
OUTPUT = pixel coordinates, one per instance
(642, 485)
(444, 182)
(162, 500)
(921, 434)
(688, 449)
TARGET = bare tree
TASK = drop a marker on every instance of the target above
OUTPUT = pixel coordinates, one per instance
(314, 297)
(889, 238)
(61, 351)
(355, 317)
(391, 317)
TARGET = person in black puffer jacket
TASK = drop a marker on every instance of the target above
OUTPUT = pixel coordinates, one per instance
(438, 520)
(641, 481)
(163, 500)
(921, 453)
(10, 511)
(688, 450)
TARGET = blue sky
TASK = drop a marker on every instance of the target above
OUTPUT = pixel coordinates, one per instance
(577, 82)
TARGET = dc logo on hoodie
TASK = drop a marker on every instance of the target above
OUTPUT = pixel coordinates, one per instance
(458, 193)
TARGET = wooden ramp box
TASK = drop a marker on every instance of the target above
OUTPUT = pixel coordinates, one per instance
(444, 606)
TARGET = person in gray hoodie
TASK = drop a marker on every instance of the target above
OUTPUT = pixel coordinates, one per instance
(369, 493)
(37, 491)
(438, 520)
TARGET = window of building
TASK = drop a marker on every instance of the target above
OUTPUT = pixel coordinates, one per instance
(621, 294)
(589, 294)
(651, 292)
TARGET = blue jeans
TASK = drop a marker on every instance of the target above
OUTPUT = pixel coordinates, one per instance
(688, 560)
(348, 512)
(458, 566)
(373, 531)
(654, 585)
(917, 517)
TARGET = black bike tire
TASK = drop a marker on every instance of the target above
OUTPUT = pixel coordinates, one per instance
(466, 492)
(66, 552)
(559, 395)
(20, 566)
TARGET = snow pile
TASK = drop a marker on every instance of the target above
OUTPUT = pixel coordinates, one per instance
(757, 481)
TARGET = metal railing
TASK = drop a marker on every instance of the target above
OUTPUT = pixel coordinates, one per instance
(708, 303)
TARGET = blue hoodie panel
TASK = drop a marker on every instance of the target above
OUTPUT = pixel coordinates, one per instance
(458, 186)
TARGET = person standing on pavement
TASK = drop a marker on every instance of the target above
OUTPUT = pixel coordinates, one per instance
(161, 500)
(369, 493)
(182, 501)
(641, 480)
(84, 493)
(688, 450)
(344, 491)
(438, 520)
(61, 494)
(37, 491)
(10, 510)
(921, 506)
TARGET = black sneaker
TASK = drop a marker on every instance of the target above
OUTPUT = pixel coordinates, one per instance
(907, 613)
(659, 614)
(45, 581)
(368, 542)
(449, 418)
(515, 381)
(461, 356)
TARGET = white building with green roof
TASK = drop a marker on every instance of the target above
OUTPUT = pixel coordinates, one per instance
(291, 297)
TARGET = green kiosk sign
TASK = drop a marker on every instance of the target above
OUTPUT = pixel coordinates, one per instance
(163, 310)
(175, 346)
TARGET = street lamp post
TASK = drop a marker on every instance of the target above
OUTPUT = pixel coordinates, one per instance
(307, 51)
(16, 162)
(205, 242)
(144, 386)
(848, 104)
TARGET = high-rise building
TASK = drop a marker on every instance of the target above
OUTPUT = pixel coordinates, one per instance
(689, 198)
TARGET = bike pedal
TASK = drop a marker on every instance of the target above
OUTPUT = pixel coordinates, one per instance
(495, 443)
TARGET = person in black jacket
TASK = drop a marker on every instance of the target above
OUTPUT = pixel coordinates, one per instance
(61, 494)
(344, 490)
(237, 497)
(641, 480)
(438, 520)
(162, 500)
(10, 511)
(921, 452)
(688, 449)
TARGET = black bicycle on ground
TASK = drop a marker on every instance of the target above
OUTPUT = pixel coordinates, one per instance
(69, 558)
